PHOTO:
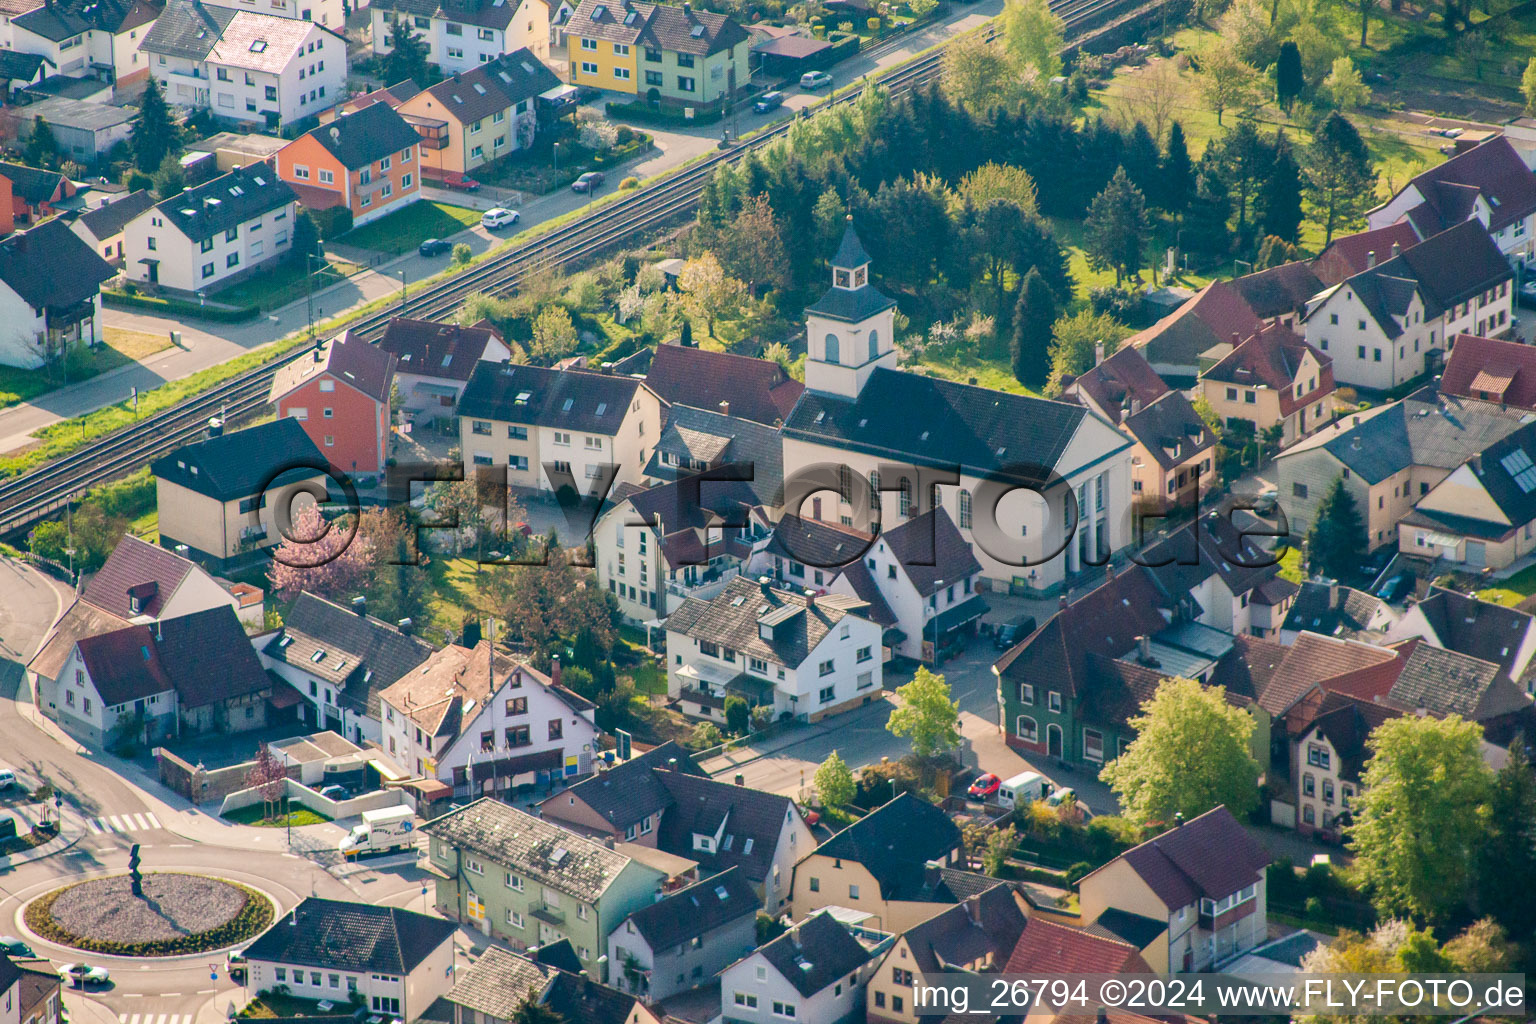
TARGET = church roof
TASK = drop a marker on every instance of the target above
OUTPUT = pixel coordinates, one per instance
(850, 253)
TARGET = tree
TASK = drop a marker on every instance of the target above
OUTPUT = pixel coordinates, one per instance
(542, 603)
(999, 846)
(834, 782)
(554, 335)
(1245, 160)
(1177, 172)
(154, 136)
(1074, 339)
(1483, 948)
(1340, 181)
(978, 75)
(1507, 857)
(738, 716)
(1289, 80)
(1280, 197)
(306, 240)
(1389, 949)
(1225, 81)
(1033, 35)
(752, 250)
(1152, 95)
(1528, 86)
(708, 292)
(462, 254)
(1421, 816)
(407, 57)
(533, 1012)
(926, 715)
(1336, 537)
(170, 177)
(1346, 89)
(330, 560)
(42, 149)
(1033, 318)
(1192, 752)
(399, 587)
(1115, 232)
(706, 735)
(269, 777)
(1000, 182)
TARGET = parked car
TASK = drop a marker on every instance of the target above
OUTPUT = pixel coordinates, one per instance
(984, 786)
(497, 217)
(1397, 588)
(1010, 633)
(234, 964)
(768, 101)
(462, 182)
(1267, 501)
(815, 80)
(7, 779)
(588, 182)
(84, 974)
(335, 792)
(1527, 295)
(10, 945)
(435, 247)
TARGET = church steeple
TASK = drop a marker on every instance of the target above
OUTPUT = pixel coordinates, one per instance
(850, 329)
(850, 265)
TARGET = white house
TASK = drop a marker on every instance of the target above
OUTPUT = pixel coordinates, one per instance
(50, 294)
(1488, 183)
(463, 34)
(486, 730)
(398, 960)
(10, 992)
(686, 937)
(805, 656)
(244, 65)
(214, 234)
(331, 13)
(1390, 322)
(88, 38)
(816, 971)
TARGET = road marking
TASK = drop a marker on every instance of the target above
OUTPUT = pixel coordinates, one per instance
(148, 820)
(95, 825)
(182, 846)
(206, 991)
(117, 826)
(163, 1018)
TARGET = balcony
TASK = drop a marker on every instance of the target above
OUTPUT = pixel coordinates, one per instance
(434, 133)
(550, 915)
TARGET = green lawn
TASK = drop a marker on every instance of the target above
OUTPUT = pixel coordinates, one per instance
(963, 368)
(1512, 591)
(121, 348)
(405, 229)
(282, 284)
(1290, 564)
(455, 591)
(272, 1004)
(253, 816)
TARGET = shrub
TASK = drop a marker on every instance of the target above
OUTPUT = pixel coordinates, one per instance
(334, 222)
(629, 183)
(177, 307)
(252, 918)
(1078, 871)
(462, 254)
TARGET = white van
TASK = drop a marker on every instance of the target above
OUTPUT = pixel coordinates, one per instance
(1024, 788)
(390, 828)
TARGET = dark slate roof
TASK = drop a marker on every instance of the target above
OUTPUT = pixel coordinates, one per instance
(864, 585)
(751, 817)
(981, 430)
(850, 251)
(851, 305)
(815, 953)
(344, 935)
(817, 543)
(243, 463)
(18, 66)
(227, 201)
(359, 139)
(470, 12)
(58, 20)
(895, 841)
(579, 1000)
(799, 623)
(1170, 430)
(188, 29)
(931, 551)
(629, 791)
(137, 568)
(712, 438)
(756, 389)
(31, 184)
(1346, 721)
(1493, 169)
(1208, 856)
(1129, 928)
(982, 929)
(684, 508)
(489, 88)
(50, 266)
(566, 399)
(427, 348)
(694, 912)
(1492, 468)
(1211, 546)
(109, 219)
(1332, 610)
(637, 22)
(1480, 629)
(362, 654)
(205, 657)
(543, 850)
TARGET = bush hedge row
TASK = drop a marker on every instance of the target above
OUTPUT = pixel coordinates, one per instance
(172, 307)
(252, 919)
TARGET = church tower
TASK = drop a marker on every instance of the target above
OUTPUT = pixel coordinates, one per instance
(850, 329)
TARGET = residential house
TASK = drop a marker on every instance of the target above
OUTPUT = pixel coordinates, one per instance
(1226, 580)
(331, 13)
(50, 295)
(805, 657)
(661, 799)
(368, 162)
(486, 728)
(680, 56)
(393, 95)
(698, 438)
(1389, 457)
(1391, 323)
(1272, 378)
(1203, 880)
(35, 194)
(856, 415)
(339, 394)
(399, 961)
(479, 114)
(462, 35)
(212, 235)
(144, 682)
(1217, 314)
(244, 65)
(1111, 944)
(39, 998)
(530, 882)
(976, 935)
(10, 991)
(433, 362)
(1329, 609)
(101, 227)
(685, 938)
(1348, 255)
(19, 71)
(1326, 734)
(815, 971)
(89, 38)
(879, 865)
(499, 982)
(734, 385)
(340, 661)
(1480, 629)
(557, 428)
(1483, 514)
(219, 498)
(1114, 383)
(85, 131)
(1490, 370)
(1489, 184)
(1279, 295)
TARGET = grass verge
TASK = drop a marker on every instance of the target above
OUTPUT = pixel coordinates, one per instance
(252, 918)
(297, 817)
(405, 229)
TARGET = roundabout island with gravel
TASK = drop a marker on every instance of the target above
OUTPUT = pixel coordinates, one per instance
(178, 914)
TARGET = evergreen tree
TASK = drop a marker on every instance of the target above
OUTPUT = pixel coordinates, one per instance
(42, 149)
(1507, 857)
(1289, 79)
(1281, 198)
(1177, 179)
(1336, 539)
(1033, 318)
(1205, 222)
(1340, 181)
(407, 57)
(1245, 163)
(306, 239)
(155, 136)
(686, 338)
(1142, 159)
(1116, 228)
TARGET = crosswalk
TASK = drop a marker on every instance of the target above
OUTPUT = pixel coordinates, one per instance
(125, 823)
(156, 1018)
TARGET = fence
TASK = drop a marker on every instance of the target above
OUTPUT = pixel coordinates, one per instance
(300, 795)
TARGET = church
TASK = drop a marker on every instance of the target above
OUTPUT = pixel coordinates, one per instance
(1005, 467)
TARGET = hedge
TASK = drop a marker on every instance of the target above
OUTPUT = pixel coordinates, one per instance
(252, 919)
(178, 307)
(662, 115)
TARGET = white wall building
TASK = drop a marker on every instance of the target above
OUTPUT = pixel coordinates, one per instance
(463, 34)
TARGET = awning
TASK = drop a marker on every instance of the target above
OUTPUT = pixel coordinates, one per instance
(284, 696)
(447, 390)
(751, 688)
(544, 760)
(893, 637)
(962, 614)
(1444, 540)
(560, 95)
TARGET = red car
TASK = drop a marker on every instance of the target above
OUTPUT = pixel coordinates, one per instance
(984, 787)
(451, 179)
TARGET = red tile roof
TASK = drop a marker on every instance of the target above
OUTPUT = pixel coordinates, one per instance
(1050, 948)
(1493, 169)
(757, 389)
(365, 367)
(1215, 314)
(1272, 356)
(427, 348)
(1492, 370)
(1119, 380)
(1210, 856)
(133, 564)
(1333, 664)
(1348, 255)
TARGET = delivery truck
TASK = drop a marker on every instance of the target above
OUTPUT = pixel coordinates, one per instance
(391, 828)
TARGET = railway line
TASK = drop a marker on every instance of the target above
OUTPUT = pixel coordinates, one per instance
(30, 497)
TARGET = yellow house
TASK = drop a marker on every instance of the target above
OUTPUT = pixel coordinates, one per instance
(676, 55)
(470, 119)
(1271, 378)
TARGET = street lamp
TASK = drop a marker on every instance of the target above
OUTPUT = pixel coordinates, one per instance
(403, 273)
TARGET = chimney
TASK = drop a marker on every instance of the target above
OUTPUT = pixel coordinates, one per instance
(1144, 646)
(1396, 248)
(973, 909)
(554, 670)
(403, 624)
(1135, 405)
(1333, 594)
(360, 605)
(317, 353)
(1370, 259)
(765, 584)
(1061, 602)
(794, 929)
(810, 599)
(1236, 338)
(1178, 819)
(1098, 353)
(1109, 570)
(931, 873)
(1103, 1017)
(725, 407)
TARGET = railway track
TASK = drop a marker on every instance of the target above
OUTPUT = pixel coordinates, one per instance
(26, 499)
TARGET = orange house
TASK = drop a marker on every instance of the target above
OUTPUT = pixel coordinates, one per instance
(339, 393)
(368, 161)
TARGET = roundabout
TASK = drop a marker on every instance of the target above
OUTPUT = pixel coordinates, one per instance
(178, 914)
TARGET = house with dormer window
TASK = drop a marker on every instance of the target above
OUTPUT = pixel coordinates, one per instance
(1489, 184)
(681, 56)
(462, 35)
